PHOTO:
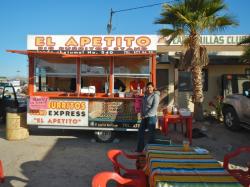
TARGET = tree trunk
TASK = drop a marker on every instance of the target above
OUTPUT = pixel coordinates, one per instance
(196, 69)
(197, 93)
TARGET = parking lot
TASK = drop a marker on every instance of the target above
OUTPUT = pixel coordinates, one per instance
(57, 158)
(72, 158)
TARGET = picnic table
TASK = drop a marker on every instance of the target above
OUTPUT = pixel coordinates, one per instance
(170, 165)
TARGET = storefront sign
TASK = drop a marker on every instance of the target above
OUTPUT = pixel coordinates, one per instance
(116, 44)
(38, 103)
(208, 40)
(93, 44)
(66, 112)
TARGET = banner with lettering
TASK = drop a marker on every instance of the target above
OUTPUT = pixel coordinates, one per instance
(87, 43)
(65, 112)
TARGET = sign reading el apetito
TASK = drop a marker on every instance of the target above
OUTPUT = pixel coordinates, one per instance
(86, 43)
(64, 112)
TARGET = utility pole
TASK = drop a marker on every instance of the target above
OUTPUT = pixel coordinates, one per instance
(109, 25)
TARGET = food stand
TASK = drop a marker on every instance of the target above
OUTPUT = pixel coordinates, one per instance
(88, 82)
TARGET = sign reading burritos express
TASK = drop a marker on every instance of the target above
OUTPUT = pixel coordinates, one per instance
(66, 112)
(75, 44)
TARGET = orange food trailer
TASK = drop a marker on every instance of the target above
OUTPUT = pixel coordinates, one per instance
(88, 82)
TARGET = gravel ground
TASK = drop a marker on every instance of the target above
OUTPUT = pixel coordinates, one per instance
(70, 158)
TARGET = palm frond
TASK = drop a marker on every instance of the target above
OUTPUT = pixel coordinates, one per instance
(166, 32)
(171, 33)
(220, 23)
(192, 17)
(246, 56)
(213, 7)
(245, 41)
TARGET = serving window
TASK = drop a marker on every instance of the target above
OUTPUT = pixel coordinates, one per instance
(55, 75)
(98, 74)
(95, 72)
(130, 73)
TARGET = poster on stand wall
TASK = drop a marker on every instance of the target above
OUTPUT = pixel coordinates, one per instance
(65, 112)
(114, 113)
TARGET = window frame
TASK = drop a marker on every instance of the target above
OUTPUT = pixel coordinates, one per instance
(40, 74)
(205, 83)
(137, 75)
(133, 75)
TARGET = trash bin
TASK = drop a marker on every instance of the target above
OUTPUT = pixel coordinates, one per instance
(16, 124)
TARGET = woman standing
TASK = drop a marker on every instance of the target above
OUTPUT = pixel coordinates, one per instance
(149, 115)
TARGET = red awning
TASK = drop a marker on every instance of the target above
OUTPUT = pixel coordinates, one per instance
(35, 53)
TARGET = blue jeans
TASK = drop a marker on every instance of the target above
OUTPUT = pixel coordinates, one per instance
(146, 123)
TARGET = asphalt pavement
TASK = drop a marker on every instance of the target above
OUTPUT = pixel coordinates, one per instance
(58, 157)
(70, 158)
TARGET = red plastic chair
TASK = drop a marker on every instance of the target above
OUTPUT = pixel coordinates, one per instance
(129, 173)
(1, 172)
(101, 180)
(242, 176)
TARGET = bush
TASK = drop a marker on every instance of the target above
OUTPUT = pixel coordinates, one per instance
(217, 104)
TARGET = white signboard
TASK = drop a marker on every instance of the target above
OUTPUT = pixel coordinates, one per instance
(109, 44)
(81, 43)
(208, 40)
(63, 112)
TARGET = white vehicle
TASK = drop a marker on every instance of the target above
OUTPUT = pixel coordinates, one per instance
(236, 106)
(17, 85)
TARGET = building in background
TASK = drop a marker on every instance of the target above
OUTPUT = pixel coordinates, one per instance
(224, 57)
(3, 79)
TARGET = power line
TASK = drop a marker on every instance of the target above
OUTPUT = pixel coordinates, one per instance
(146, 6)
(109, 25)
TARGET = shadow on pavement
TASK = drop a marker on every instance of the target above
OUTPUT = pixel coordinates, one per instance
(73, 159)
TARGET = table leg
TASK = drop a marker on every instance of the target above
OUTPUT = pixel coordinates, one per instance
(189, 122)
(166, 126)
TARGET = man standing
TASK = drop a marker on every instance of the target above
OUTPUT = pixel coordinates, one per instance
(149, 115)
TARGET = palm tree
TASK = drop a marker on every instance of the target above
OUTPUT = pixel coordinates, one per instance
(192, 18)
(246, 56)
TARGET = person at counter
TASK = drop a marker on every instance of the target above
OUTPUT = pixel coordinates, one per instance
(150, 104)
(119, 85)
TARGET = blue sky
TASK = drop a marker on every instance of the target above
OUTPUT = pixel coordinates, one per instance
(22, 17)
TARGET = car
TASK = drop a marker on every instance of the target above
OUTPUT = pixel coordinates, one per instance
(10, 101)
(2, 85)
(236, 110)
